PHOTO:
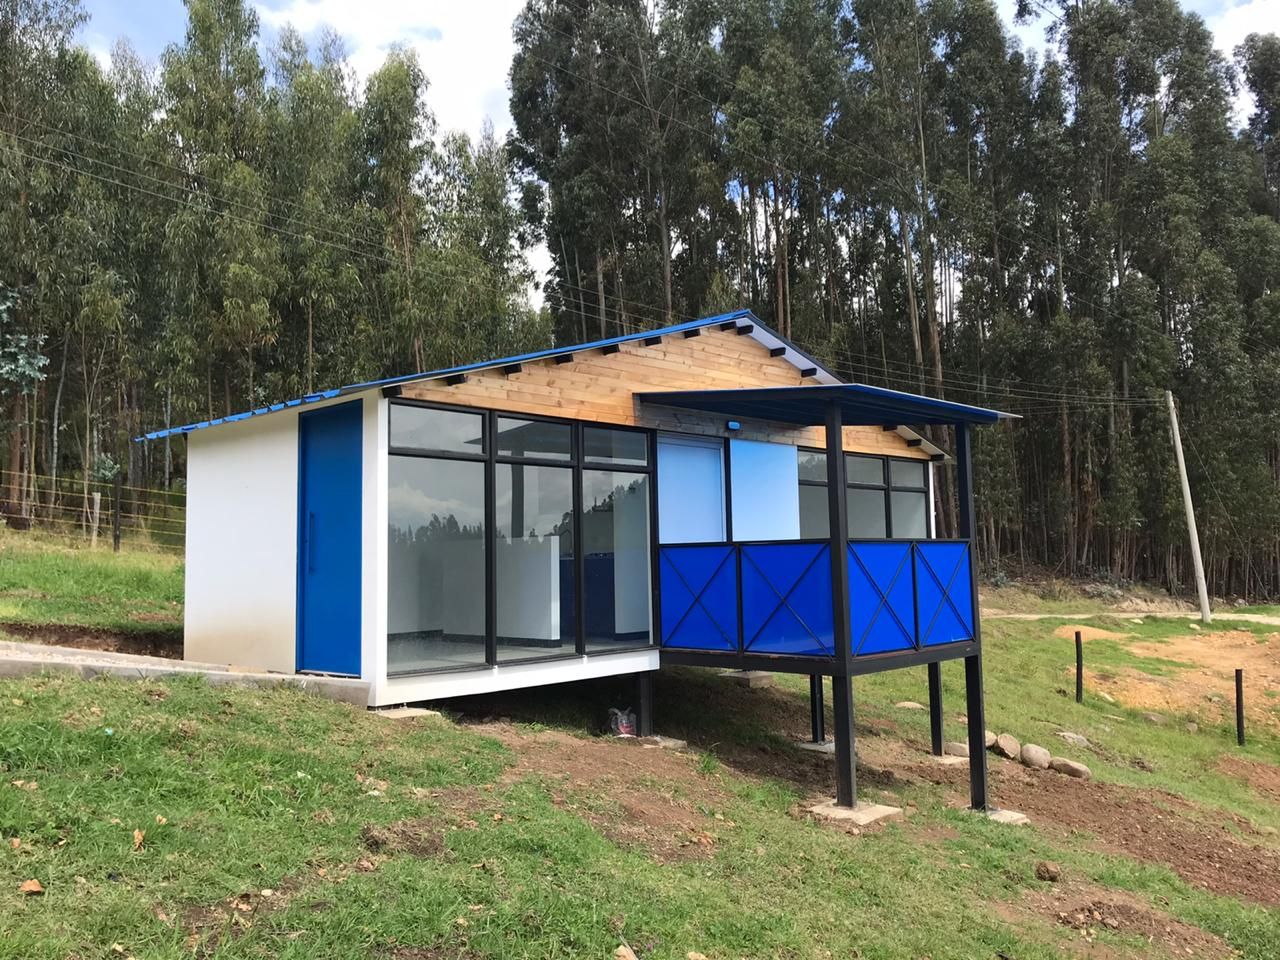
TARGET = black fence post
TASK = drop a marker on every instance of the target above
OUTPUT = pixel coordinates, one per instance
(1079, 668)
(116, 495)
(1240, 706)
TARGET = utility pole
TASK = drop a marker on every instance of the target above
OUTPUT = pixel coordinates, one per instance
(1201, 589)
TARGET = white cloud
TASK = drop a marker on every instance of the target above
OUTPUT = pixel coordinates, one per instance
(1232, 24)
(465, 51)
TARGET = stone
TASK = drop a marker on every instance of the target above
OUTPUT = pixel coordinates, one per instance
(1137, 620)
(662, 743)
(1007, 746)
(1103, 695)
(948, 761)
(1194, 626)
(1071, 768)
(1268, 831)
(1075, 739)
(751, 679)
(1159, 719)
(955, 749)
(1193, 727)
(624, 953)
(909, 705)
(862, 815)
(1048, 871)
(989, 739)
(827, 746)
(1034, 756)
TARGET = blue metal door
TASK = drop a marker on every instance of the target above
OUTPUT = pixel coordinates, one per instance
(329, 512)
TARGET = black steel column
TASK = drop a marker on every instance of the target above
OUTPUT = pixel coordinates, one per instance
(935, 708)
(841, 684)
(644, 704)
(817, 714)
(974, 706)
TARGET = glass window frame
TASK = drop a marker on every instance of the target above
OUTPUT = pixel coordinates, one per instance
(886, 485)
(577, 464)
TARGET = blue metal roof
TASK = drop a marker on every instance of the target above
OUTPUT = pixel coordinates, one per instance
(860, 405)
(743, 315)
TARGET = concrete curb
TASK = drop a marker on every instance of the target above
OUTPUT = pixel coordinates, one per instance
(25, 660)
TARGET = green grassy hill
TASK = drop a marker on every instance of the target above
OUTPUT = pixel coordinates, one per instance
(171, 820)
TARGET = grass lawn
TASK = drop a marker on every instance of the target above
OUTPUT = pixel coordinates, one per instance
(274, 824)
(47, 582)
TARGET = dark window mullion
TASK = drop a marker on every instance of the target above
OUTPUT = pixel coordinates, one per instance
(490, 543)
(888, 508)
(579, 561)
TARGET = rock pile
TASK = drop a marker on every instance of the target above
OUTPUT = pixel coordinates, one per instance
(1037, 757)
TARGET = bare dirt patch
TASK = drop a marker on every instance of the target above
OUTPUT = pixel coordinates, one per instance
(419, 837)
(638, 796)
(1068, 632)
(1262, 777)
(1204, 848)
(1089, 910)
(147, 643)
(1206, 689)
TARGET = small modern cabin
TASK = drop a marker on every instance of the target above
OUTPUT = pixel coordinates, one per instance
(702, 494)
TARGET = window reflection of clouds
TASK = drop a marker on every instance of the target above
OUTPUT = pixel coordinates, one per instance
(421, 490)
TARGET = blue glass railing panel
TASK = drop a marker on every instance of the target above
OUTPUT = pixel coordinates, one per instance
(882, 615)
(699, 590)
(944, 592)
(786, 599)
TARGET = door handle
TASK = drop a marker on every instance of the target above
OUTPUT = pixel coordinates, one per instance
(311, 543)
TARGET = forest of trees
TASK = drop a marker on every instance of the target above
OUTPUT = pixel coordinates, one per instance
(899, 186)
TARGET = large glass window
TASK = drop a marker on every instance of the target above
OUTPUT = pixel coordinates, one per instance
(534, 561)
(615, 448)
(537, 439)
(491, 542)
(436, 564)
(885, 497)
(615, 548)
(436, 431)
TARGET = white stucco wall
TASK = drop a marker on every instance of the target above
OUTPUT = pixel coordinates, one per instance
(242, 542)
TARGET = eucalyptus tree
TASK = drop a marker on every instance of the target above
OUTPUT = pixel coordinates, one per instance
(226, 256)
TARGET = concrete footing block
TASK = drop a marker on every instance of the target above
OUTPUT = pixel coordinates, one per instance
(826, 746)
(862, 815)
(1011, 818)
(402, 713)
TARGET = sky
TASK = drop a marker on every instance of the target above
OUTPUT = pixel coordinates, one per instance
(465, 46)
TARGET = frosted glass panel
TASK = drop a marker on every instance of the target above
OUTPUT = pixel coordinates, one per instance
(690, 491)
(766, 490)
(866, 514)
(906, 473)
(910, 514)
